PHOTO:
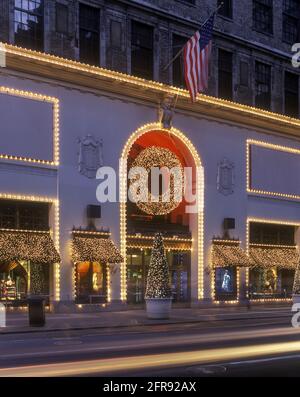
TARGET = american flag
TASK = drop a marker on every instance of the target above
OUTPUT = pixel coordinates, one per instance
(196, 59)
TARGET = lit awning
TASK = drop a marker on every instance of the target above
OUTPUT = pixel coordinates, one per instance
(281, 257)
(224, 255)
(94, 249)
(37, 247)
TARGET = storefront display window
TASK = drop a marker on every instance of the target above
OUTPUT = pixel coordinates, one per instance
(137, 268)
(271, 283)
(273, 250)
(179, 272)
(226, 283)
(19, 279)
(91, 282)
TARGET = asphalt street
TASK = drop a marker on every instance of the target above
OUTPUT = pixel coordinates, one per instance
(254, 347)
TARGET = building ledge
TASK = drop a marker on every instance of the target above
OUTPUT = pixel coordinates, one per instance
(119, 84)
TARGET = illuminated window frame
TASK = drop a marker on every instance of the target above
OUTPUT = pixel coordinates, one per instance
(56, 237)
(108, 268)
(213, 272)
(123, 199)
(55, 114)
(279, 148)
(267, 221)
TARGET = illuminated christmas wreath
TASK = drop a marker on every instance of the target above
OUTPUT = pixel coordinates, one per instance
(170, 199)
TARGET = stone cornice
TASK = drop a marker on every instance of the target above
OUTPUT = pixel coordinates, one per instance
(116, 84)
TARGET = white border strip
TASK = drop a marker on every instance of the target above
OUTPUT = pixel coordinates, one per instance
(2, 56)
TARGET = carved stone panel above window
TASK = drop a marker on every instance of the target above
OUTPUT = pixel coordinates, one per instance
(225, 178)
(90, 156)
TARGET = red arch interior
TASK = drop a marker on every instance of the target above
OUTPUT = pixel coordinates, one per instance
(167, 140)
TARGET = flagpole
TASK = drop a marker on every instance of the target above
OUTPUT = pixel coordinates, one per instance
(181, 50)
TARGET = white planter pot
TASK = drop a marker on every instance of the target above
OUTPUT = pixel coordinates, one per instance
(159, 308)
(296, 298)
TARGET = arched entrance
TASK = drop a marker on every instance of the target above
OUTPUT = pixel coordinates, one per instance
(179, 144)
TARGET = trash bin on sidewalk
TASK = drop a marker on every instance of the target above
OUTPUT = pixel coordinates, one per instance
(36, 311)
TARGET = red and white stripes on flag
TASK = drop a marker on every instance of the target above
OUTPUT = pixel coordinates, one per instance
(196, 59)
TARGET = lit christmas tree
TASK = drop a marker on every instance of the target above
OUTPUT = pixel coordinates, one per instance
(158, 282)
(296, 287)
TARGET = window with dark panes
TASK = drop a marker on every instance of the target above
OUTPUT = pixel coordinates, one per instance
(263, 16)
(264, 233)
(62, 18)
(178, 68)
(226, 9)
(142, 50)
(291, 21)
(24, 215)
(262, 85)
(29, 24)
(89, 34)
(291, 94)
(225, 74)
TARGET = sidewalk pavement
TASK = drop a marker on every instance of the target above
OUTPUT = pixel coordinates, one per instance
(18, 322)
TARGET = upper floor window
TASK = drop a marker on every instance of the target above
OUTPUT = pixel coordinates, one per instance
(291, 94)
(226, 9)
(178, 70)
(263, 16)
(89, 34)
(62, 18)
(291, 21)
(225, 74)
(262, 86)
(142, 50)
(29, 24)
(24, 215)
(264, 233)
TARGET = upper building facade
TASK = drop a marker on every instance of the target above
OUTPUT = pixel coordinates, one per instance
(251, 58)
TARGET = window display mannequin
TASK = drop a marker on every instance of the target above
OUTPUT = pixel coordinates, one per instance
(226, 281)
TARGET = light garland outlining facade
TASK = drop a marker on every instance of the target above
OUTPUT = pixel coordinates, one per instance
(89, 233)
(285, 149)
(123, 199)
(108, 281)
(267, 221)
(220, 241)
(170, 243)
(174, 238)
(41, 98)
(144, 247)
(273, 246)
(57, 246)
